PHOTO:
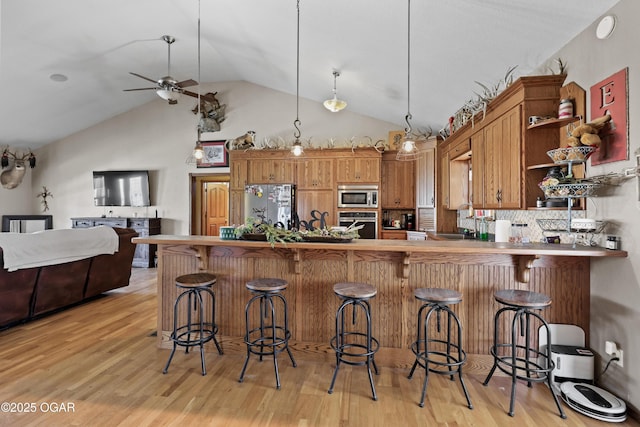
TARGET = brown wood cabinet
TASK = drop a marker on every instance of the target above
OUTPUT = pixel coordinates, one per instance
(398, 183)
(454, 172)
(504, 149)
(271, 170)
(357, 170)
(501, 175)
(315, 173)
(393, 234)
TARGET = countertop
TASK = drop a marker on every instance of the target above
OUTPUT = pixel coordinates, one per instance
(405, 246)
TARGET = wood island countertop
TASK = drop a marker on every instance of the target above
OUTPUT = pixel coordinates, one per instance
(389, 245)
(395, 267)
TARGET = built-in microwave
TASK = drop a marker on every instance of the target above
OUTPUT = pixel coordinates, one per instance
(357, 196)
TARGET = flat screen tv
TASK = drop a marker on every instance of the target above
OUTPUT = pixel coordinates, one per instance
(121, 188)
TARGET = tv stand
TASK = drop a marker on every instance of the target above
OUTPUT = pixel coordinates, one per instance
(145, 254)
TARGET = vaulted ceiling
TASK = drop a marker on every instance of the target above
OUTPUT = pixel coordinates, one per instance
(96, 43)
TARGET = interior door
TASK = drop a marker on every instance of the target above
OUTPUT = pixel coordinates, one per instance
(216, 207)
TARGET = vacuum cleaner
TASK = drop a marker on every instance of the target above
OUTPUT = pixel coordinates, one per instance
(573, 376)
(593, 402)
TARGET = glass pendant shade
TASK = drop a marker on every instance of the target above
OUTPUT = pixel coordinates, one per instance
(296, 148)
(334, 105)
(198, 151)
(408, 150)
(168, 94)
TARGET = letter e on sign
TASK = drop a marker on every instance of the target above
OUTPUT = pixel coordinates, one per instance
(610, 96)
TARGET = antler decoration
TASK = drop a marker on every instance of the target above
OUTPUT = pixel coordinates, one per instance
(12, 177)
(44, 194)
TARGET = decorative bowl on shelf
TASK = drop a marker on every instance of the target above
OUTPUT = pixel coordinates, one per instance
(571, 154)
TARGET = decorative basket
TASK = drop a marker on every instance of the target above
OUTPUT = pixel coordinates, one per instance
(564, 191)
(571, 154)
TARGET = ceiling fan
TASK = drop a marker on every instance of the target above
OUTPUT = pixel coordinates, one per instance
(167, 87)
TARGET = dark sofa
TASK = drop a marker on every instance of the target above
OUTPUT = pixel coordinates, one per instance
(28, 293)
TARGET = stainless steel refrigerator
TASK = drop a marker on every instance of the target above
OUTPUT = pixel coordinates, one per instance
(272, 203)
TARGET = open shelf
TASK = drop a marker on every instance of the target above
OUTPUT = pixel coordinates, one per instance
(555, 123)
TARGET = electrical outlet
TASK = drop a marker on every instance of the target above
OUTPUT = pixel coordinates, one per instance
(618, 362)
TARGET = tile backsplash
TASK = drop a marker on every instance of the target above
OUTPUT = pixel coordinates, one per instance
(533, 229)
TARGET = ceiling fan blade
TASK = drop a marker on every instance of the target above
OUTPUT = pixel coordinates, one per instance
(141, 88)
(203, 97)
(186, 83)
(143, 77)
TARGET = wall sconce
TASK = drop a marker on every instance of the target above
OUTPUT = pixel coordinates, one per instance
(334, 105)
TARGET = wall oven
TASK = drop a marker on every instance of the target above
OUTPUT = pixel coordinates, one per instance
(368, 219)
(357, 196)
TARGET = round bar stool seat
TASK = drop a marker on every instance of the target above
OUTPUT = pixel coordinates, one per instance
(517, 358)
(352, 346)
(269, 337)
(441, 353)
(195, 287)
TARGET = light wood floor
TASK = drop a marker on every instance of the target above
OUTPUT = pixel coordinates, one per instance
(99, 362)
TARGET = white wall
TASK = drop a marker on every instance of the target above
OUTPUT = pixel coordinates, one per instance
(160, 137)
(17, 201)
(615, 283)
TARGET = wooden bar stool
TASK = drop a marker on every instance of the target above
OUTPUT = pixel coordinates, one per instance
(268, 338)
(439, 354)
(195, 287)
(352, 345)
(518, 359)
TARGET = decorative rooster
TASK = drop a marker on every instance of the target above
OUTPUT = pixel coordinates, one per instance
(13, 176)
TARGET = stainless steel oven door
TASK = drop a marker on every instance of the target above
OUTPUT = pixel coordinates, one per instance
(368, 219)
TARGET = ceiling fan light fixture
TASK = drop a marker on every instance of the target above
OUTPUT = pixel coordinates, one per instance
(169, 95)
(334, 105)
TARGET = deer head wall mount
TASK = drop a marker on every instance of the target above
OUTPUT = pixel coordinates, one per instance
(17, 163)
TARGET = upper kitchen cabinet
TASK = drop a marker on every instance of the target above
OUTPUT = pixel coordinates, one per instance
(260, 167)
(505, 146)
(425, 174)
(498, 178)
(397, 183)
(315, 173)
(238, 173)
(454, 175)
(358, 167)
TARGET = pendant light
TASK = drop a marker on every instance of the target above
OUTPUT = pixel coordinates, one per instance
(198, 151)
(334, 105)
(296, 148)
(408, 150)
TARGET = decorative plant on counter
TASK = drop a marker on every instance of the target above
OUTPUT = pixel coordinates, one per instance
(333, 233)
(255, 229)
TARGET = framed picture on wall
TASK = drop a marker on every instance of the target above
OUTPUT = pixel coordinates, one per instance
(215, 155)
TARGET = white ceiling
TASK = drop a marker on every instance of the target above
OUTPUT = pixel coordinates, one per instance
(96, 43)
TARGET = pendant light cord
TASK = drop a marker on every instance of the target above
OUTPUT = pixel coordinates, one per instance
(199, 76)
(296, 122)
(408, 117)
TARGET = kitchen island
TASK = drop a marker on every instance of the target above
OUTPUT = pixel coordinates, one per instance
(394, 267)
